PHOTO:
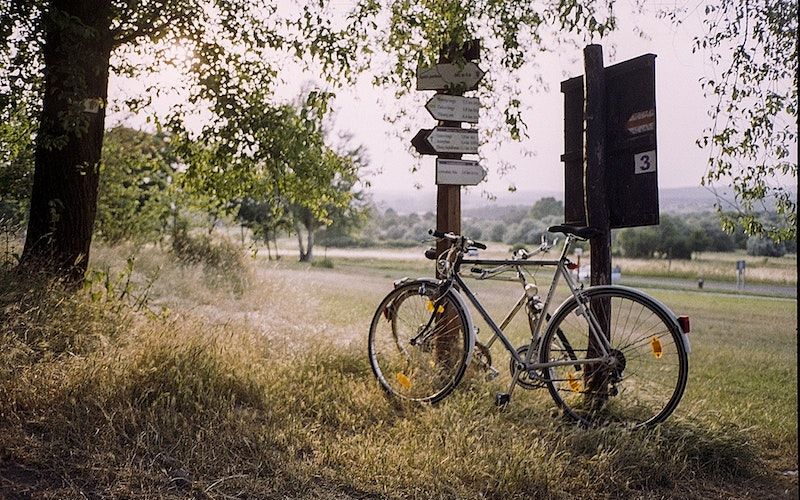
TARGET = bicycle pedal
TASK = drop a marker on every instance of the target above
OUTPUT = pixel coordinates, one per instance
(491, 374)
(502, 399)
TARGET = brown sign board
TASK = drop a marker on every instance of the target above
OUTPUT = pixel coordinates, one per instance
(631, 153)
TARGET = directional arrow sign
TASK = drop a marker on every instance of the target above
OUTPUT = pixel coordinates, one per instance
(444, 76)
(453, 140)
(459, 172)
(446, 140)
(454, 108)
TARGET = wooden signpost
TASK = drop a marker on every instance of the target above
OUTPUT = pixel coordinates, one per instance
(610, 163)
(456, 73)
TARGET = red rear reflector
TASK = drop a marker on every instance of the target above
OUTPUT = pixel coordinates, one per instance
(572, 265)
(684, 322)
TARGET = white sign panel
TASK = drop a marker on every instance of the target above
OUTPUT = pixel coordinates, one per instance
(644, 163)
(459, 172)
(454, 140)
(442, 76)
(454, 108)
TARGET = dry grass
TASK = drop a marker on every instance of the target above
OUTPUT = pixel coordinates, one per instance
(268, 394)
(717, 266)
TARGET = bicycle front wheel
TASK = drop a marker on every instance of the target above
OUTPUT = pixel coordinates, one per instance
(419, 342)
(645, 378)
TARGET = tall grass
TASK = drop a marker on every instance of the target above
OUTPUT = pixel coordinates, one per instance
(268, 394)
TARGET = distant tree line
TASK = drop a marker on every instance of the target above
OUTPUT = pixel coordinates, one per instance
(676, 237)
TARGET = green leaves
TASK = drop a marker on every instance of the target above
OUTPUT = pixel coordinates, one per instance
(755, 113)
(137, 187)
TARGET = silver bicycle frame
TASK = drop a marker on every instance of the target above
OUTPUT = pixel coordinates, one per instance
(561, 271)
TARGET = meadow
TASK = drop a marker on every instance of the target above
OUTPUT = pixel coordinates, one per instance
(172, 381)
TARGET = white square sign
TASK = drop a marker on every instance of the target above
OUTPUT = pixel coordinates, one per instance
(644, 163)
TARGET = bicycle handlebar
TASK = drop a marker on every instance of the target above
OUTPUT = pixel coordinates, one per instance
(455, 237)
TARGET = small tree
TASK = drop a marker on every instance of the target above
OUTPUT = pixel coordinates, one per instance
(265, 219)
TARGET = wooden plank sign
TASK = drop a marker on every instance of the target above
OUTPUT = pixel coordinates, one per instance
(454, 108)
(445, 76)
(459, 172)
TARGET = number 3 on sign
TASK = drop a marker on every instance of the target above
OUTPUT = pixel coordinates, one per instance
(644, 162)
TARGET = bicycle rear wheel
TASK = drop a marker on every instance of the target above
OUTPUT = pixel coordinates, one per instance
(419, 343)
(646, 378)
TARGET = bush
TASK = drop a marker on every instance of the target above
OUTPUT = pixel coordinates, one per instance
(324, 263)
(765, 247)
(223, 262)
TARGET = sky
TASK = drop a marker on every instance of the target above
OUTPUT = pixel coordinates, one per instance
(682, 113)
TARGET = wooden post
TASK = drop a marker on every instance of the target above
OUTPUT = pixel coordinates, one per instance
(596, 203)
(448, 197)
(597, 213)
(448, 219)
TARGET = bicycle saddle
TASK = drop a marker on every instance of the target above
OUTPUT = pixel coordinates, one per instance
(581, 232)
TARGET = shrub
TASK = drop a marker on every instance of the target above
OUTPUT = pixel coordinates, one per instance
(765, 247)
(223, 262)
(324, 263)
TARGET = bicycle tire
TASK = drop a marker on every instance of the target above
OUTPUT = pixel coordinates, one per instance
(430, 370)
(647, 380)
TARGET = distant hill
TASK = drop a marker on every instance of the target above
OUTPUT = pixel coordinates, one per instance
(475, 204)
(421, 201)
(672, 200)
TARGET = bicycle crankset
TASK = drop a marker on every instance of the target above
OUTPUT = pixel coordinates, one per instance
(525, 380)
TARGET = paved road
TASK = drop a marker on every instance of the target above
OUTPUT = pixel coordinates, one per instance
(711, 286)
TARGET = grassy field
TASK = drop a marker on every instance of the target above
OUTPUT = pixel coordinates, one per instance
(258, 386)
(716, 266)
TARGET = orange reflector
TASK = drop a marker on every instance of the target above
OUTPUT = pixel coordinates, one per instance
(429, 307)
(684, 322)
(403, 380)
(574, 384)
(655, 344)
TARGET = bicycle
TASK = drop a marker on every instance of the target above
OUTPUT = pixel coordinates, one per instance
(606, 354)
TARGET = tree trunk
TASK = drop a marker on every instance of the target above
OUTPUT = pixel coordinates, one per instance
(77, 50)
(300, 243)
(310, 244)
(275, 244)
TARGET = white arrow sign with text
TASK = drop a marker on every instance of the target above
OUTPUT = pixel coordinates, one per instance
(453, 140)
(459, 172)
(443, 76)
(454, 108)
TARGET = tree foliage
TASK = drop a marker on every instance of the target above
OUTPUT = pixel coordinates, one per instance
(16, 165)
(57, 57)
(137, 192)
(754, 129)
